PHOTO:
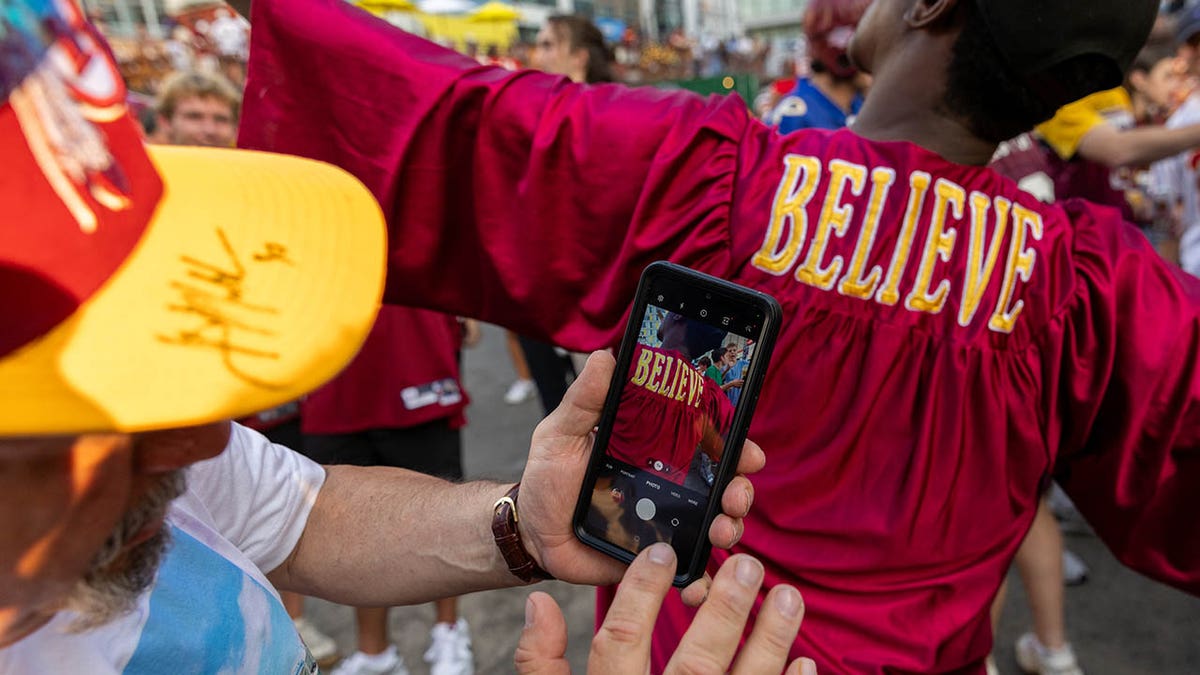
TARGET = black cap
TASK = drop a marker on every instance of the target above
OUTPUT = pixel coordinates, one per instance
(1036, 35)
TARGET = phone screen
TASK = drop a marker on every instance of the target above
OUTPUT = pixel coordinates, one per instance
(675, 410)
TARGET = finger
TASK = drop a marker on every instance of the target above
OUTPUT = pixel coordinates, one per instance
(738, 497)
(542, 647)
(726, 532)
(622, 645)
(580, 407)
(710, 642)
(775, 628)
(694, 594)
(753, 458)
(802, 667)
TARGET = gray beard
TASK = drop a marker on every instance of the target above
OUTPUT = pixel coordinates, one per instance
(117, 577)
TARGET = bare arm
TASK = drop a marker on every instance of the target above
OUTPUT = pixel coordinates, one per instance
(380, 536)
(1116, 148)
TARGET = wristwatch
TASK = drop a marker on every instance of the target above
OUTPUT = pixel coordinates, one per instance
(508, 539)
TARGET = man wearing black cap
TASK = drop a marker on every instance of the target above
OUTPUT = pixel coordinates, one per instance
(949, 343)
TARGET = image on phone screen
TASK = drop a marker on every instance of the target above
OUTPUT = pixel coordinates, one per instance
(676, 407)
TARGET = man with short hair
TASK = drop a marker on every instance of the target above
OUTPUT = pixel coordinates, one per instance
(146, 299)
(196, 108)
(949, 343)
(831, 93)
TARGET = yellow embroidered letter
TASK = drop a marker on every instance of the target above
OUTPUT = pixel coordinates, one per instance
(919, 184)
(981, 262)
(665, 388)
(1020, 264)
(835, 217)
(656, 382)
(939, 244)
(643, 367)
(853, 284)
(796, 190)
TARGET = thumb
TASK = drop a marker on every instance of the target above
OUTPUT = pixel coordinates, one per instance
(581, 406)
(543, 644)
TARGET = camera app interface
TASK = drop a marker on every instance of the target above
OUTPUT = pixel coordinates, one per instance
(676, 408)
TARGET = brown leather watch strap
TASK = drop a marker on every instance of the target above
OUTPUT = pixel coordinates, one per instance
(508, 539)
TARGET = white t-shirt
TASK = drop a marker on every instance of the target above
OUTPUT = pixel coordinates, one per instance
(210, 609)
(231, 36)
(1176, 181)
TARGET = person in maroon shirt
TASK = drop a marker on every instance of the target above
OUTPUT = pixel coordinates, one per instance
(399, 403)
(949, 343)
(691, 413)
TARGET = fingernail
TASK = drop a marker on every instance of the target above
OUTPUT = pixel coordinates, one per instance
(808, 667)
(529, 611)
(662, 554)
(748, 572)
(789, 602)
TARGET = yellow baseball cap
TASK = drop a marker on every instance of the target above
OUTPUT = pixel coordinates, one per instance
(145, 288)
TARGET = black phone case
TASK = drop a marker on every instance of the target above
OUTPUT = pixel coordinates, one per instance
(695, 563)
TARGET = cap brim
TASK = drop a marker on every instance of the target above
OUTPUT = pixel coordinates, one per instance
(257, 280)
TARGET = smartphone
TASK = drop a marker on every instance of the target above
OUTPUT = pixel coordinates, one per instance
(688, 374)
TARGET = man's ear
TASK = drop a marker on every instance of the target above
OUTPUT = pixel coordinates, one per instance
(1137, 78)
(931, 13)
(579, 59)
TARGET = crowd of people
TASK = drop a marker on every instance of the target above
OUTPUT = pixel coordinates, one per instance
(211, 39)
(982, 239)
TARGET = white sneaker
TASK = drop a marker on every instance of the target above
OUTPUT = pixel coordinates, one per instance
(1069, 518)
(450, 653)
(1036, 659)
(321, 646)
(1075, 571)
(387, 662)
(520, 391)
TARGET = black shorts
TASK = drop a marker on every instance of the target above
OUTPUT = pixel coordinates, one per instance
(432, 448)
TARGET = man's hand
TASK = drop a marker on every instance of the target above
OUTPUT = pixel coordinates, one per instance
(622, 645)
(558, 458)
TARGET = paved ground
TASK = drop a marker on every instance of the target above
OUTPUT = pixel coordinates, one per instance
(1121, 623)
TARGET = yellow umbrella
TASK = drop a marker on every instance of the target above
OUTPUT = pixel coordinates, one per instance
(377, 6)
(495, 11)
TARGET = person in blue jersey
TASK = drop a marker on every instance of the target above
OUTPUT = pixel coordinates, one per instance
(832, 94)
